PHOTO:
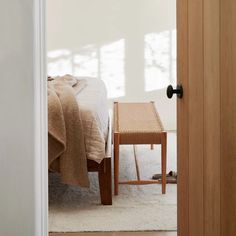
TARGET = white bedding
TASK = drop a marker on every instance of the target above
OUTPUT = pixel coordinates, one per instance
(92, 100)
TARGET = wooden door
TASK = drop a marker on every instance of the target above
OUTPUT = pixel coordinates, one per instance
(207, 117)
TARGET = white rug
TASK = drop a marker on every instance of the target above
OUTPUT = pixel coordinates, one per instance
(136, 208)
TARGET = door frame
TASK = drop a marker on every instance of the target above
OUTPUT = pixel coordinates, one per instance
(40, 120)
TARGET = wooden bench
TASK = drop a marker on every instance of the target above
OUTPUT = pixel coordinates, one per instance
(138, 123)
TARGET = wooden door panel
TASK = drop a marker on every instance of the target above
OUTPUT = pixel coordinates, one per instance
(198, 31)
(196, 115)
(190, 117)
(228, 117)
(211, 118)
(182, 118)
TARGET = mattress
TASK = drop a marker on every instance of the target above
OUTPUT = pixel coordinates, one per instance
(93, 104)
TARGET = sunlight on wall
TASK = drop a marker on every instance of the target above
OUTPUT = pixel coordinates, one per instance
(112, 68)
(105, 62)
(59, 62)
(85, 62)
(160, 60)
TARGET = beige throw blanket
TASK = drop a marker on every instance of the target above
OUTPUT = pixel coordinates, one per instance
(65, 131)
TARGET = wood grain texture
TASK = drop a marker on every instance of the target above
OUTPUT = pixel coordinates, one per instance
(116, 162)
(211, 117)
(163, 160)
(140, 182)
(228, 117)
(117, 234)
(206, 68)
(105, 182)
(182, 119)
(136, 163)
(196, 114)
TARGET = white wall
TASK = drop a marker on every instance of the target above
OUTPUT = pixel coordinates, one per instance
(18, 190)
(129, 44)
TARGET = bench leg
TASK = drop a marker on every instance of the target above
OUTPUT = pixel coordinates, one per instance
(104, 176)
(163, 161)
(116, 163)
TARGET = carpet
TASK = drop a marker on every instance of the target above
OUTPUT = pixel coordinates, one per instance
(136, 208)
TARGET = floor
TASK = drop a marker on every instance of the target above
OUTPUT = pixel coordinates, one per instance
(136, 208)
(73, 209)
(117, 234)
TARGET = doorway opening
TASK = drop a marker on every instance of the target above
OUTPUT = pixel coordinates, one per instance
(125, 52)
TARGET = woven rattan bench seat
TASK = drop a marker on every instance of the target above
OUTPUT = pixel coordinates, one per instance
(137, 123)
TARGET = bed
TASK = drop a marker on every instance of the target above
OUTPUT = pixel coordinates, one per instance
(96, 121)
(96, 124)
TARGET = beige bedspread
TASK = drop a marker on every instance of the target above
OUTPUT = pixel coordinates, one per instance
(65, 131)
(93, 104)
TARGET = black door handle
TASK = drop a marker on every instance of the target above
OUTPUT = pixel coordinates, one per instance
(170, 91)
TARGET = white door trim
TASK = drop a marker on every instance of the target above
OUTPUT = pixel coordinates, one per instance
(40, 130)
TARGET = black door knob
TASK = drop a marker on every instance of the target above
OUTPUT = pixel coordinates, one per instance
(170, 91)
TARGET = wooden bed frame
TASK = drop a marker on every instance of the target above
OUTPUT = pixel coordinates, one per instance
(104, 177)
(104, 171)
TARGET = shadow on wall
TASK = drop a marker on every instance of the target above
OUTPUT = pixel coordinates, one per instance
(107, 62)
(153, 69)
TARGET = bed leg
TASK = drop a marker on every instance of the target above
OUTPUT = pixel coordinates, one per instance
(105, 185)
